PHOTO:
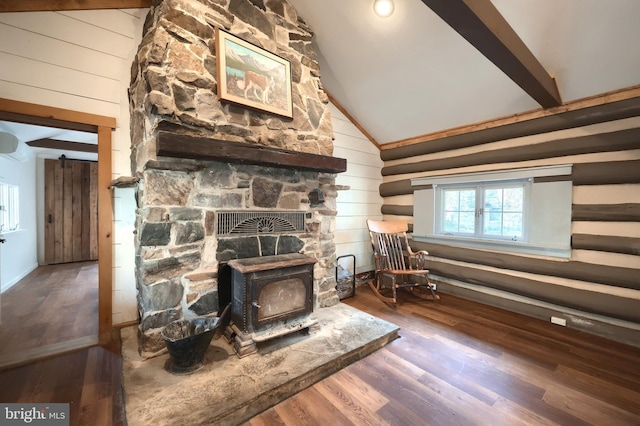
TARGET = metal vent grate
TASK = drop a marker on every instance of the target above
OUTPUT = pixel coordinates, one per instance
(260, 222)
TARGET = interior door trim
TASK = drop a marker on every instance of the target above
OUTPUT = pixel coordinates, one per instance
(28, 113)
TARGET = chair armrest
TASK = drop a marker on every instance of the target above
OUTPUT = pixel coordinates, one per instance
(414, 253)
(418, 259)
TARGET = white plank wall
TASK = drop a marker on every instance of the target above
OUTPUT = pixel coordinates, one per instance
(362, 200)
(81, 60)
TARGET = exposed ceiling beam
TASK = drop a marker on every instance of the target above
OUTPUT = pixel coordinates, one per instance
(482, 25)
(49, 5)
(64, 145)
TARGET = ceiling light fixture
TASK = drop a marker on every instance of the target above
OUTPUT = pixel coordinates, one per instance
(383, 8)
(8, 143)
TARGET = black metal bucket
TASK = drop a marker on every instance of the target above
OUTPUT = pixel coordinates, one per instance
(187, 341)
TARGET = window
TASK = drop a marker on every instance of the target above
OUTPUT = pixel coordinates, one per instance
(9, 208)
(493, 211)
(521, 210)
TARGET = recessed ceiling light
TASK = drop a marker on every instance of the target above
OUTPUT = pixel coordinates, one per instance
(383, 8)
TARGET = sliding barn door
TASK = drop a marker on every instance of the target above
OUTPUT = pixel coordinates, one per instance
(71, 211)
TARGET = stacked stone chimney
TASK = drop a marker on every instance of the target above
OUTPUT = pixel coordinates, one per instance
(173, 89)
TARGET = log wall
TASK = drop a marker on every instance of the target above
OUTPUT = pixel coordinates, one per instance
(602, 278)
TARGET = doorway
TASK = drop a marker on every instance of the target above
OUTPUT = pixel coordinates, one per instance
(27, 113)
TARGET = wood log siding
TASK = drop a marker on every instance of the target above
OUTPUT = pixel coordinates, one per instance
(603, 113)
(504, 271)
(609, 275)
(584, 212)
(603, 142)
(624, 245)
(606, 173)
(606, 212)
(584, 300)
(399, 187)
(397, 210)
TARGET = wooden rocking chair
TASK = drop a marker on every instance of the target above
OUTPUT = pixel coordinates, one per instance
(395, 261)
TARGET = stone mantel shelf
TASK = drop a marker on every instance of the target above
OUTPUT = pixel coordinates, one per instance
(171, 144)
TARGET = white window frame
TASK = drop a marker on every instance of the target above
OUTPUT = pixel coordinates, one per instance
(9, 208)
(479, 213)
(547, 227)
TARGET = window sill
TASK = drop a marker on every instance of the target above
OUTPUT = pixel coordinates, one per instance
(518, 247)
(13, 231)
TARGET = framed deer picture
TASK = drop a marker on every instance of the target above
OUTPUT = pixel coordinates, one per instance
(251, 76)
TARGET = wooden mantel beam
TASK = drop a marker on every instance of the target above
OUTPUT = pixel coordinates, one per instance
(482, 25)
(49, 5)
(169, 144)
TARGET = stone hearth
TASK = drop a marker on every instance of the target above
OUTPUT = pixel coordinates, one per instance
(229, 390)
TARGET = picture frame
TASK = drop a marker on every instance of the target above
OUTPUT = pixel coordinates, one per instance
(251, 76)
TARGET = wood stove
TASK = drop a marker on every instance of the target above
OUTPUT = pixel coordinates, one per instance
(271, 296)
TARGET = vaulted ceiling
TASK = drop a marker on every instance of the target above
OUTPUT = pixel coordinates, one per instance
(409, 76)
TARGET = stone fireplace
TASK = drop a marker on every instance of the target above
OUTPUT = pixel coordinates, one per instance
(197, 158)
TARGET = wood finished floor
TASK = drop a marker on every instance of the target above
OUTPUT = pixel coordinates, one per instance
(463, 363)
(456, 363)
(89, 380)
(53, 304)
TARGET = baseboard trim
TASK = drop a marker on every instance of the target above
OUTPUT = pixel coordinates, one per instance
(610, 328)
(17, 279)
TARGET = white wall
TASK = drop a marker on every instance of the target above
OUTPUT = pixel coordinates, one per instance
(81, 61)
(125, 307)
(19, 253)
(362, 201)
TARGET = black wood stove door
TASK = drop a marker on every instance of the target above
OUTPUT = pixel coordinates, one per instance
(275, 297)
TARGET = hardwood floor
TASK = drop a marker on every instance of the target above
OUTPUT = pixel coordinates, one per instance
(89, 380)
(52, 305)
(457, 362)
